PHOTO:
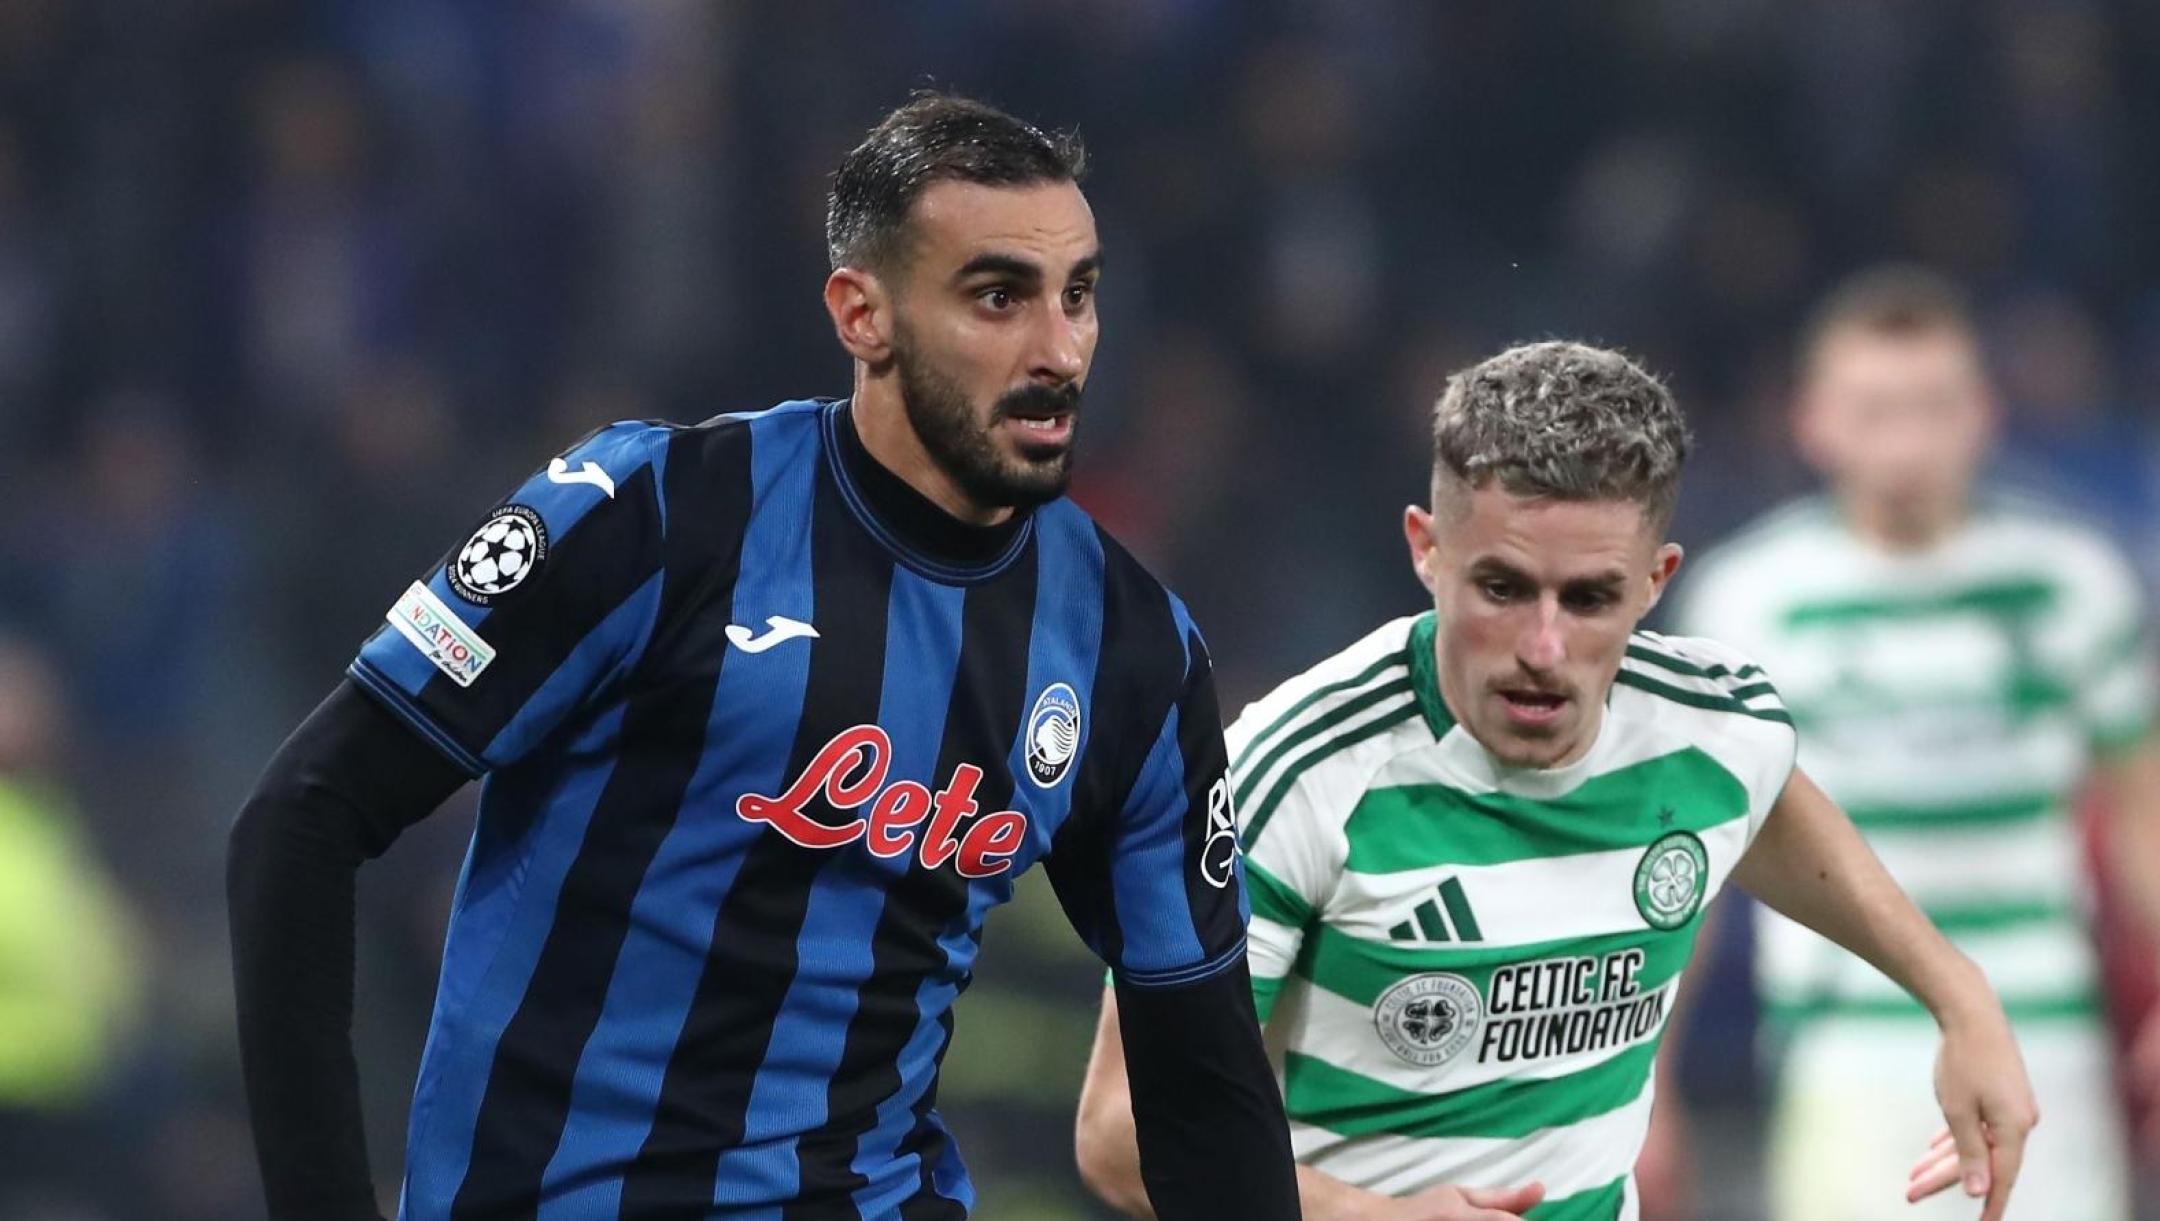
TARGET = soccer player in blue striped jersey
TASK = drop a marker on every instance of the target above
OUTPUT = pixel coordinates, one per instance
(771, 711)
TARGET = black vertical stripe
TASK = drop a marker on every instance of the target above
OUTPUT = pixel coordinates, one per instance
(1215, 916)
(1136, 680)
(527, 1100)
(989, 700)
(928, 1144)
(705, 1093)
(590, 570)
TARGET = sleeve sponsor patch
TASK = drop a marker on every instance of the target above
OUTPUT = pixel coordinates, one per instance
(443, 638)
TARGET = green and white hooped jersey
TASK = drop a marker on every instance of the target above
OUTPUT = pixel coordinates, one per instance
(1953, 701)
(1465, 967)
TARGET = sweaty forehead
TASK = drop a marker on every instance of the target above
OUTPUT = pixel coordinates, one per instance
(1047, 223)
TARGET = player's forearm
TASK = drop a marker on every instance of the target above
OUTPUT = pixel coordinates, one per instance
(291, 907)
(1108, 1152)
(334, 796)
(1109, 1158)
(1811, 865)
(1206, 1111)
(2128, 788)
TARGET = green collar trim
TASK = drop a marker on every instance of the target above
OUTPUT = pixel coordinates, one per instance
(1425, 675)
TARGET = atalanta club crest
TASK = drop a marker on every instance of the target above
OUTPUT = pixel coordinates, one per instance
(500, 556)
(1053, 734)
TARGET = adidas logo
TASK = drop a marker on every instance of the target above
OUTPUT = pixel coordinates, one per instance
(1443, 916)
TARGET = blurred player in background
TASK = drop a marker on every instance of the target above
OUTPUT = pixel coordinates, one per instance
(1480, 840)
(1962, 663)
(772, 710)
(70, 963)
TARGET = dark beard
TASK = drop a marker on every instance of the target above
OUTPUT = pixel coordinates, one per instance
(961, 446)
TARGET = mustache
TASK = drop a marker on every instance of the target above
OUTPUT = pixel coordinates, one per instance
(1533, 686)
(1036, 399)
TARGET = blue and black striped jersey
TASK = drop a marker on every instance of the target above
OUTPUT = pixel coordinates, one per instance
(765, 736)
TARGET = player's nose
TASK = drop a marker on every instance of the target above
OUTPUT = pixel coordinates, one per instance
(1061, 348)
(1540, 646)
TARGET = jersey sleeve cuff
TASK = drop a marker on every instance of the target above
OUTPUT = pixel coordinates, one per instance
(387, 693)
(1184, 975)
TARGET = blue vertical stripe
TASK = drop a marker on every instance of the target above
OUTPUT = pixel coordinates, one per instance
(922, 654)
(893, 1181)
(1155, 922)
(755, 712)
(1063, 647)
(504, 907)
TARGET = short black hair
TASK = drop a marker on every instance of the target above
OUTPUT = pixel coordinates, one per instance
(935, 137)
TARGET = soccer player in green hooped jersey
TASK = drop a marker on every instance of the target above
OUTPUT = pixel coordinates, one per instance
(1478, 843)
(1961, 663)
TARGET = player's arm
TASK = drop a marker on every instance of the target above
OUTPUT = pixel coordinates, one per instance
(1109, 1157)
(1152, 884)
(550, 600)
(2115, 675)
(2126, 785)
(1288, 875)
(339, 791)
(1810, 864)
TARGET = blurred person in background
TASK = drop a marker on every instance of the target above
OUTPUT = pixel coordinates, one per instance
(70, 969)
(1480, 839)
(729, 877)
(1963, 663)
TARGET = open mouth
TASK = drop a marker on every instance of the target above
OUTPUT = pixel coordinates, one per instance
(1051, 429)
(1533, 708)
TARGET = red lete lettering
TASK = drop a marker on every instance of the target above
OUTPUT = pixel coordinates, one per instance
(850, 771)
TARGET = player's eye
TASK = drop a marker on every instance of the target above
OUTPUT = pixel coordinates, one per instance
(1498, 590)
(1077, 297)
(1589, 601)
(998, 299)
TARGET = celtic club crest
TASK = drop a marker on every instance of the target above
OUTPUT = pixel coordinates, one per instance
(1670, 880)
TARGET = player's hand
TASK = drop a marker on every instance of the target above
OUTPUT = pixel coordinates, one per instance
(1664, 1172)
(1988, 1104)
(1459, 1204)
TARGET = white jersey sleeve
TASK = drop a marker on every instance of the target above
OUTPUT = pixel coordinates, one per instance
(1299, 759)
(1735, 713)
(2099, 640)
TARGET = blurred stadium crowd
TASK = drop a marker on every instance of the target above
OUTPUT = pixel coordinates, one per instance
(290, 292)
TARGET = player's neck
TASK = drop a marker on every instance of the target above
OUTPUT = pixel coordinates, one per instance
(1902, 529)
(881, 421)
(912, 517)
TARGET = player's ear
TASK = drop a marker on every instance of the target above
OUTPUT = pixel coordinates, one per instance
(1662, 568)
(1418, 532)
(861, 310)
(1813, 434)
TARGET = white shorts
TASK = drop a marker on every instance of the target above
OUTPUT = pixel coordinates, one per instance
(1856, 1108)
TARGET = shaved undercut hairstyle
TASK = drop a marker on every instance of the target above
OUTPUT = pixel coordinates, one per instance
(1561, 420)
(936, 137)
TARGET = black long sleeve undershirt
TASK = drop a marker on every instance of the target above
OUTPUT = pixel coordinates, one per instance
(348, 781)
(1213, 1141)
